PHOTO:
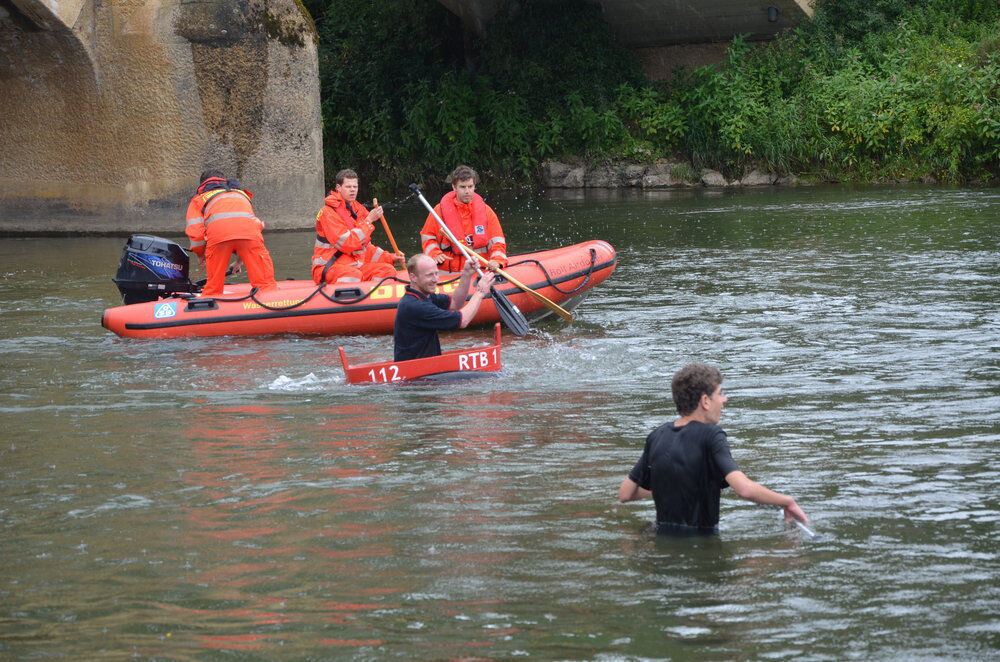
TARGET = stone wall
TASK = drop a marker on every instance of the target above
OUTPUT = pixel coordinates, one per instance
(106, 123)
(659, 175)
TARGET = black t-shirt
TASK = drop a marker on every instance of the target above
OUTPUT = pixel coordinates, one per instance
(685, 468)
(418, 319)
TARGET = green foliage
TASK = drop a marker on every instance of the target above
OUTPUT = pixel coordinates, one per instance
(927, 105)
(546, 51)
(897, 90)
(399, 99)
(382, 65)
(869, 89)
(651, 116)
(840, 24)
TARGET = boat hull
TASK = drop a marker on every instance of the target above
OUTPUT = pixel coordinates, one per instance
(466, 361)
(300, 307)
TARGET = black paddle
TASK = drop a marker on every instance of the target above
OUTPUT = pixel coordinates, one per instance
(510, 314)
(512, 317)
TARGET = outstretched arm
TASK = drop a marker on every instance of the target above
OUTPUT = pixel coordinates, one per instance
(753, 491)
(630, 491)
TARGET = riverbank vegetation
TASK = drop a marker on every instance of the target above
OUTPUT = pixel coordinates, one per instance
(868, 91)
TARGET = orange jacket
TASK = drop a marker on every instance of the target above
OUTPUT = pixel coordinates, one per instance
(480, 229)
(220, 214)
(344, 235)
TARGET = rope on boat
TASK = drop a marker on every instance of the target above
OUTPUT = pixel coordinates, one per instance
(552, 284)
(321, 289)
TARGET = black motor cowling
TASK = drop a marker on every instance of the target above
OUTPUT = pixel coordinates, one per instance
(150, 268)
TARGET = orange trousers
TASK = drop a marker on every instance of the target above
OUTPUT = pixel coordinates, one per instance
(349, 273)
(260, 268)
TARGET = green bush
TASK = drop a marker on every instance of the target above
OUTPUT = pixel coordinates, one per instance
(908, 91)
(867, 90)
(547, 51)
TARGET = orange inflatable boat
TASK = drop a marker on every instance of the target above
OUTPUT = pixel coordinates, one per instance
(160, 302)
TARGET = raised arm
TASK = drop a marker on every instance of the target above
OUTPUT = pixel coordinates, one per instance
(462, 289)
(470, 309)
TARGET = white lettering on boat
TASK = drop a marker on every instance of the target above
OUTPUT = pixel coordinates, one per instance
(382, 376)
(477, 360)
(282, 303)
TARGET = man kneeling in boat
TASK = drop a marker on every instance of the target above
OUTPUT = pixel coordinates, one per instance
(421, 312)
(344, 252)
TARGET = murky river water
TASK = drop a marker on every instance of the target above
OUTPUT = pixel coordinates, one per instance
(233, 498)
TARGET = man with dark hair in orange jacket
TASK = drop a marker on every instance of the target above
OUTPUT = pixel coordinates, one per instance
(344, 251)
(470, 220)
(220, 222)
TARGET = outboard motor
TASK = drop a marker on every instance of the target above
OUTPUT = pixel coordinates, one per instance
(150, 268)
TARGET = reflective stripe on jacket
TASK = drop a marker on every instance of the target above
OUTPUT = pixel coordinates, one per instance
(221, 214)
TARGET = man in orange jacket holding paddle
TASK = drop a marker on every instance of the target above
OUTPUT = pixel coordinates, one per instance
(470, 219)
(344, 252)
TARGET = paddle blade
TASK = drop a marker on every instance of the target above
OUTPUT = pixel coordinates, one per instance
(541, 298)
(806, 530)
(511, 316)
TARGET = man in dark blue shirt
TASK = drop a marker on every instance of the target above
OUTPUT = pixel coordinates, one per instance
(686, 464)
(421, 312)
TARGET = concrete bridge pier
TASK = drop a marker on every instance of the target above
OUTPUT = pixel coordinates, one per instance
(110, 110)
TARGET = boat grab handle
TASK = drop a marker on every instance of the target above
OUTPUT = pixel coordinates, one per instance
(201, 304)
(346, 293)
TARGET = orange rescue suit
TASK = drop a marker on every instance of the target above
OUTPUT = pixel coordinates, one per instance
(220, 222)
(343, 234)
(475, 223)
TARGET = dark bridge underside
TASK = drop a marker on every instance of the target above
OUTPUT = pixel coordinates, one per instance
(645, 23)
